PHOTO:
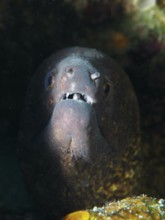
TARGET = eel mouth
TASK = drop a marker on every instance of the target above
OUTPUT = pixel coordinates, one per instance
(78, 97)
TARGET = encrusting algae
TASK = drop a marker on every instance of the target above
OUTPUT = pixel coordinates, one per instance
(134, 208)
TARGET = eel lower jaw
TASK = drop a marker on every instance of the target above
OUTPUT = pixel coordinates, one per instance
(78, 97)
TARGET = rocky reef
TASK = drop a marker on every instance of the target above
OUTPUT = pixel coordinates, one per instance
(132, 32)
(131, 208)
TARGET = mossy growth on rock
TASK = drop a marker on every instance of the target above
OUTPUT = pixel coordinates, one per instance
(134, 208)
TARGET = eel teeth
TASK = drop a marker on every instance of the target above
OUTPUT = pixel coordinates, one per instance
(67, 94)
(78, 97)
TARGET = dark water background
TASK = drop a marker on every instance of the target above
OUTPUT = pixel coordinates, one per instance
(32, 30)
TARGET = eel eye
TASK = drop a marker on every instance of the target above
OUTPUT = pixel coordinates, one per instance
(106, 87)
(49, 81)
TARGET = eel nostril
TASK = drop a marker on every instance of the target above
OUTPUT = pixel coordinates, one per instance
(95, 75)
(69, 71)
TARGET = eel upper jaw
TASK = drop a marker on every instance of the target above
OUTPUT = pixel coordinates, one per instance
(78, 97)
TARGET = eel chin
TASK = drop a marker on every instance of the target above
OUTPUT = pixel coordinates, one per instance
(73, 126)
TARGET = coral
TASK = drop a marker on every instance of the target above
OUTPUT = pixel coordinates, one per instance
(134, 208)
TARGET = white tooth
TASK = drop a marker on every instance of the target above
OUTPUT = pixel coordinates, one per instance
(75, 96)
(89, 100)
(67, 94)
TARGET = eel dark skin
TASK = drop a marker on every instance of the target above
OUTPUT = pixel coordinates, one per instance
(79, 136)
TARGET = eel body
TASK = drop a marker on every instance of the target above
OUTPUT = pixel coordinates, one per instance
(79, 136)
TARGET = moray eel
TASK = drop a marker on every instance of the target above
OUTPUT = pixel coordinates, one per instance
(79, 136)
